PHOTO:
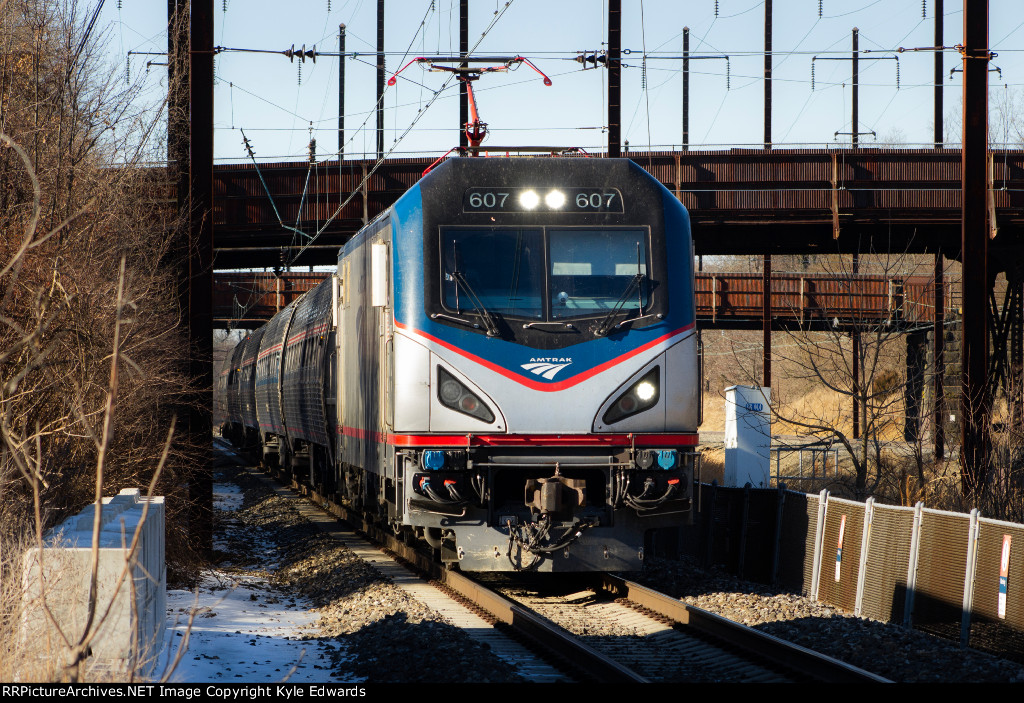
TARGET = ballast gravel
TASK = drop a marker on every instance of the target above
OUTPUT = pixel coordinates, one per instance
(388, 637)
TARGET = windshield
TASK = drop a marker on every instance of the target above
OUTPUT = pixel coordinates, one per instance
(590, 272)
(504, 269)
(591, 269)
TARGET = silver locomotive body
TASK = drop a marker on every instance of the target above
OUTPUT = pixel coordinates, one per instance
(508, 366)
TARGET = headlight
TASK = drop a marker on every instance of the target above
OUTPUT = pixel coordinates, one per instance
(555, 199)
(529, 199)
(451, 391)
(645, 391)
(453, 394)
(641, 396)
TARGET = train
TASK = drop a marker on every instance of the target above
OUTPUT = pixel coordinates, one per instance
(504, 365)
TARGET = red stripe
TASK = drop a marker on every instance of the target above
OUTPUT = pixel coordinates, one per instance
(360, 434)
(548, 387)
(270, 350)
(322, 327)
(523, 440)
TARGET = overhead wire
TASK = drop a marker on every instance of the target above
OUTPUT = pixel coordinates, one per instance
(494, 20)
(650, 56)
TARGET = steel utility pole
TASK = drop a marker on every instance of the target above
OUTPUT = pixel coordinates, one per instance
(766, 301)
(767, 74)
(686, 88)
(200, 265)
(974, 247)
(177, 98)
(614, 78)
(380, 79)
(938, 333)
(937, 76)
(463, 86)
(686, 83)
(854, 117)
(341, 92)
(766, 321)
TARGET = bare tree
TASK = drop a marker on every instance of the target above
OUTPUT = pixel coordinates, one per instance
(843, 375)
(91, 347)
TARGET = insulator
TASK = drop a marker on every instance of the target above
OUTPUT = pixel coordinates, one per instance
(224, 7)
(328, 5)
(127, 70)
(897, 74)
(643, 75)
(727, 74)
(812, 74)
(924, 9)
(819, 8)
(299, 66)
(716, 8)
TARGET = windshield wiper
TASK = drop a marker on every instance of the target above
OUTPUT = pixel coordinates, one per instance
(634, 284)
(605, 326)
(478, 307)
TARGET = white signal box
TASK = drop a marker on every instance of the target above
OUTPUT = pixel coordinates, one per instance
(748, 436)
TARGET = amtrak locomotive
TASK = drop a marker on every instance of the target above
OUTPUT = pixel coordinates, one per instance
(504, 364)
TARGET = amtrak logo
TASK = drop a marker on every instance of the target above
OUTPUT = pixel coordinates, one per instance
(547, 367)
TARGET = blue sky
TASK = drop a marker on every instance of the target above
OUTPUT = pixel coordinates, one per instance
(261, 93)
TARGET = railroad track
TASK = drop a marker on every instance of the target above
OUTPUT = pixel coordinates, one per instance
(664, 640)
(558, 630)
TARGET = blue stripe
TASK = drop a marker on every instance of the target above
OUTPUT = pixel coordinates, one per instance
(407, 273)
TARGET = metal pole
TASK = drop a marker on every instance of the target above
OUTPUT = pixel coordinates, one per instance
(937, 115)
(614, 78)
(766, 320)
(974, 249)
(341, 93)
(463, 92)
(938, 341)
(201, 264)
(855, 336)
(854, 117)
(380, 79)
(177, 99)
(686, 88)
(938, 338)
(767, 74)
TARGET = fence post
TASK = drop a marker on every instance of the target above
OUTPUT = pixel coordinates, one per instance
(743, 529)
(865, 544)
(819, 537)
(915, 548)
(709, 537)
(972, 562)
(780, 503)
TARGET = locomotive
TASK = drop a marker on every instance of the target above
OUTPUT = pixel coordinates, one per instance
(504, 364)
